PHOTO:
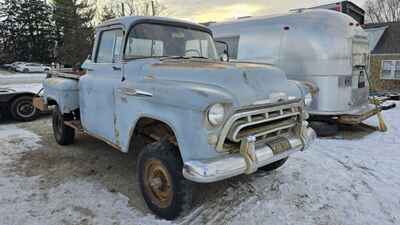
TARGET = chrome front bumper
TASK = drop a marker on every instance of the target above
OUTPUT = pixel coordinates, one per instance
(230, 165)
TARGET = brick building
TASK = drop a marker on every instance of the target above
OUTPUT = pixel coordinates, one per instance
(385, 56)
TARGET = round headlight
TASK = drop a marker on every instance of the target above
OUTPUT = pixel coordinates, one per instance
(308, 99)
(216, 114)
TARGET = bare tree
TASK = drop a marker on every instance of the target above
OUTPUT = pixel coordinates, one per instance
(379, 11)
(134, 8)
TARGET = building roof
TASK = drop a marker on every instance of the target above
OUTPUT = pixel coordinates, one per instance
(389, 42)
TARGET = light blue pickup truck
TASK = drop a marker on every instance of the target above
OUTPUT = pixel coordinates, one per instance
(157, 86)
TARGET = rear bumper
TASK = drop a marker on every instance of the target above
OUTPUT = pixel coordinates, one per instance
(230, 165)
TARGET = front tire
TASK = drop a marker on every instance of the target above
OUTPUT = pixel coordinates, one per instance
(26, 71)
(63, 134)
(159, 171)
(22, 109)
(274, 166)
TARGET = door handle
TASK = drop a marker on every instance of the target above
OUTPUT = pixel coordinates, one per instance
(134, 92)
(116, 68)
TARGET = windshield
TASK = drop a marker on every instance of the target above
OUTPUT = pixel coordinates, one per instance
(154, 40)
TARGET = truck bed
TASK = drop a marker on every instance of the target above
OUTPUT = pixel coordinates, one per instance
(66, 73)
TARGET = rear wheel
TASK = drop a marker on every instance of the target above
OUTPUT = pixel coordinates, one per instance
(275, 165)
(63, 134)
(26, 71)
(159, 171)
(22, 109)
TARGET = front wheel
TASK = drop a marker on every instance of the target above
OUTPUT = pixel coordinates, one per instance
(274, 166)
(164, 189)
(63, 134)
(22, 109)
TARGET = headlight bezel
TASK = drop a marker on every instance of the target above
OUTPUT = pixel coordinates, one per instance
(215, 114)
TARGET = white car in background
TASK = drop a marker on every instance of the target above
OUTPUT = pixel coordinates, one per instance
(32, 67)
(13, 66)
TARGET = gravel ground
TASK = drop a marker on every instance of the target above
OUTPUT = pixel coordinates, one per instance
(347, 180)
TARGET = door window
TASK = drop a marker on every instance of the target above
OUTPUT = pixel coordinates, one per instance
(109, 50)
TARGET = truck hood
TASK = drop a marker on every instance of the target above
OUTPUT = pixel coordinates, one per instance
(242, 84)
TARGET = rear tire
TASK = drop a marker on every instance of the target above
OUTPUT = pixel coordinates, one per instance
(274, 166)
(324, 129)
(22, 109)
(26, 71)
(159, 172)
(63, 134)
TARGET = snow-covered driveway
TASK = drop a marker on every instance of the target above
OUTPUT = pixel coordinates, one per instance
(350, 180)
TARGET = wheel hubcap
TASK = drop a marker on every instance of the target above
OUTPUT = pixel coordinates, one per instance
(157, 183)
(26, 109)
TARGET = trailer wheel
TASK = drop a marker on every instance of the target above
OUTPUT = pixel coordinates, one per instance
(324, 129)
(274, 166)
(63, 134)
(159, 172)
(22, 109)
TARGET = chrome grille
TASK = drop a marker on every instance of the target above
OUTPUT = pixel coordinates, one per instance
(263, 123)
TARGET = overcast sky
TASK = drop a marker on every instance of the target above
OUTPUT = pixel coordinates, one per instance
(217, 10)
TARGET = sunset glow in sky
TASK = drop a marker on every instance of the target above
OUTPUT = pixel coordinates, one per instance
(219, 10)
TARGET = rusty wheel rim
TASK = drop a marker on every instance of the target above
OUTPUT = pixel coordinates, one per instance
(158, 183)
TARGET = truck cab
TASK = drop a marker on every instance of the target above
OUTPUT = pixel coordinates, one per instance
(157, 86)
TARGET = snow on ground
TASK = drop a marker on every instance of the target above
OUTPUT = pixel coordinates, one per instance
(24, 201)
(353, 179)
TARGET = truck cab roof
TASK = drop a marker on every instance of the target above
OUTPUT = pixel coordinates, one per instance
(128, 21)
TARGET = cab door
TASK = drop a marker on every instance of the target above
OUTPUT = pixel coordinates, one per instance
(98, 87)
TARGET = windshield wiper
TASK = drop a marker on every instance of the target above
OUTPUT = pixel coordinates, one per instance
(199, 57)
(182, 57)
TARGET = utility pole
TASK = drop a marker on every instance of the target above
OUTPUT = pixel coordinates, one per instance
(147, 9)
(153, 8)
(123, 8)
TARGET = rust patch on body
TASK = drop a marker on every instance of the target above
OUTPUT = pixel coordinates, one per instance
(192, 64)
(246, 78)
(124, 100)
(251, 65)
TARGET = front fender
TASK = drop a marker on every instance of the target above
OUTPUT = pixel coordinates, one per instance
(183, 94)
(187, 125)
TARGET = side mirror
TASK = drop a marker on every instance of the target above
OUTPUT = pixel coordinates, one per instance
(222, 50)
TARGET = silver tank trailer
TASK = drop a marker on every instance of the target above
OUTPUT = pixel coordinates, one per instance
(326, 49)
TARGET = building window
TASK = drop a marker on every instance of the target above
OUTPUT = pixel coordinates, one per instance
(390, 70)
(397, 70)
